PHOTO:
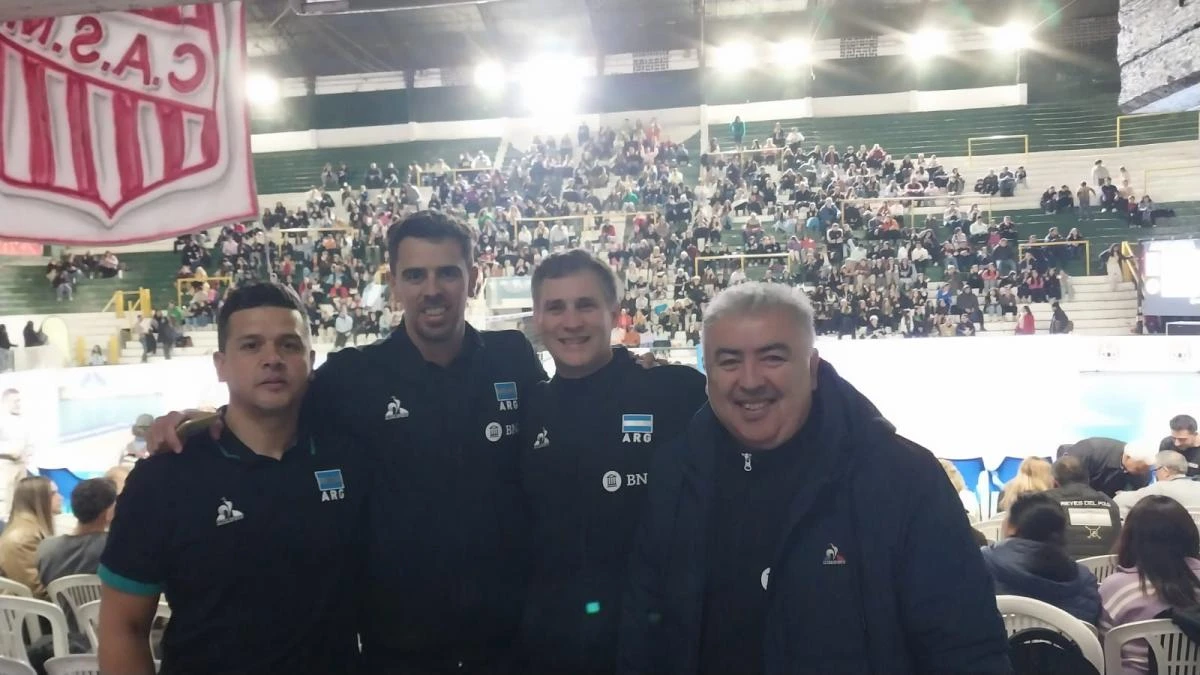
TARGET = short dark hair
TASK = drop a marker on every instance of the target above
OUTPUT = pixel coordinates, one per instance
(434, 226)
(1039, 517)
(257, 294)
(91, 498)
(570, 263)
(1183, 423)
(1069, 470)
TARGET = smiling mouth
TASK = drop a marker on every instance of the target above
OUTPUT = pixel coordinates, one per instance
(574, 341)
(755, 406)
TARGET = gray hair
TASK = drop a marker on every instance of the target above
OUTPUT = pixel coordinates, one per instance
(1172, 461)
(754, 297)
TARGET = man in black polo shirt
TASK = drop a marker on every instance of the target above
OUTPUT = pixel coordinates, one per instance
(586, 462)
(1185, 440)
(435, 411)
(256, 538)
(1112, 466)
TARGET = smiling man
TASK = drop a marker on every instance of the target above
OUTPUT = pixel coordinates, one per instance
(586, 464)
(791, 529)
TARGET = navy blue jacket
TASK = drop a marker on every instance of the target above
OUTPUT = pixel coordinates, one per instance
(1011, 565)
(905, 591)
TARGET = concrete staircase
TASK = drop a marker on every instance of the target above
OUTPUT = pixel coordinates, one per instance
(1094, 308)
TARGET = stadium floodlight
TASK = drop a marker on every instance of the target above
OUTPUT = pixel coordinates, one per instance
(792, 52)
(1011, 37)
(262, 89)
(552, 84)
(927, 42)
(733, 57)
(489, 75)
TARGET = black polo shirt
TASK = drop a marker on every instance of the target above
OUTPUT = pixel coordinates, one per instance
(258, 557)
(585, 469)
(448, 560)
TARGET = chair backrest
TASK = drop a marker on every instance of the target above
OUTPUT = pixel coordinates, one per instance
(1021, 613)
(1173, 651)
(14, 588)
(72, 591)
(88, 615)
(75, 664)
(1100, 565)
(992, 529)
(14, 667)
(15, 612)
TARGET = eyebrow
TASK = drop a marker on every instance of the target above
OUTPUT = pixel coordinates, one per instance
(774, 346)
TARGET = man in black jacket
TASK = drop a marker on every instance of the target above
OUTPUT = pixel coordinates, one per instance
(585, 466)
(1093, 519)
(1112, 466)
(791, 530)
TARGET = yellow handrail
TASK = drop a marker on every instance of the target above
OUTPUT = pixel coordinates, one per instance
(1128, 267)
(742, 257)
(182, 282)
(1087, 250)
(997, 137)
(120, 305)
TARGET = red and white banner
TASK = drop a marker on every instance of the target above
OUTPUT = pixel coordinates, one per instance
(120, 127)
(19, 248)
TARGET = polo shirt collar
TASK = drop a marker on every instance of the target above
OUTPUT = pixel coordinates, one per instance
(231, 447)
(412, 361)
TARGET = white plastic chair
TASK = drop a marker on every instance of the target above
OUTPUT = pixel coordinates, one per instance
(14, 667)
(1021, 613)
(75, 664)
(14, 588)
(72, 591)
(1173, 651)
(1101, 565)
(17, 611)
(992, 529)
(88, 615)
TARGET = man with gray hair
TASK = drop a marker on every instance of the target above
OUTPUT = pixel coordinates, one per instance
(791, 529)
(1170, 472)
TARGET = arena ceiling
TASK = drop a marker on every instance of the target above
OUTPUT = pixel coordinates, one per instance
(298, 38)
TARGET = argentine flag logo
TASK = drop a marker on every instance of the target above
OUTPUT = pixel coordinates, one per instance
(637, 424)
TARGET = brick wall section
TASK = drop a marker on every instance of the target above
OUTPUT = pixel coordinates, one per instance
(1159, 43)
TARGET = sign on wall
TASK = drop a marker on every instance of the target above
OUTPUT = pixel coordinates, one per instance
(118, 127)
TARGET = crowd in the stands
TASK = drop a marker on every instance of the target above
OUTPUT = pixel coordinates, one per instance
(839, 223)
(68, 271)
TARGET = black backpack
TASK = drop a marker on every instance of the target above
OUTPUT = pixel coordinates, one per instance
(1043, 651)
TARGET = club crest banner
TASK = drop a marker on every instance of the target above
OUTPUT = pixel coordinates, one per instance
(118, 127)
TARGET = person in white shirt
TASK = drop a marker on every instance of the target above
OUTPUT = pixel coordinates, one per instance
(1099, 172)
(1170, 473)
(15, 447)
(343, 325)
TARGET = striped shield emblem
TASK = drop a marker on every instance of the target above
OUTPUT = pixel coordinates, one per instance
(105, 112)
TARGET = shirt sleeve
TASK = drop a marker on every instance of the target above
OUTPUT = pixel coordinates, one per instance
(134, 559)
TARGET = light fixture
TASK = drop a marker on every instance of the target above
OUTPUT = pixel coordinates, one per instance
(791, 52)
(262, 89)
(927, 42)
(489, 75)
(733, 57)
(1013, 36)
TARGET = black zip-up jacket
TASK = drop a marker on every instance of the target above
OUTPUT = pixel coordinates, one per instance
(1093, 520)
(876, 571)
(585, 469)
(447, 551)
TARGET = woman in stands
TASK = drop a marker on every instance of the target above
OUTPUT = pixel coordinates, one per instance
(35, 502)
(1033, 475)
(1033, 562)
(1158, 568)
